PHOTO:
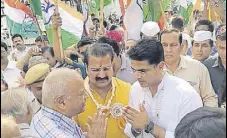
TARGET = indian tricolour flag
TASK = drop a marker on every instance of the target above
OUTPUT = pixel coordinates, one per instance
(72, 22)
(19, 19)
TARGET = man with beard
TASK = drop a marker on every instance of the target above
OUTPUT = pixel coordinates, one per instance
(106, 93)
(34, 82)
(20, 50)
(158, 100)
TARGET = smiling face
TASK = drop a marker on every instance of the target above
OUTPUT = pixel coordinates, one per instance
(100, 71)
(172, 47)
(201, 50)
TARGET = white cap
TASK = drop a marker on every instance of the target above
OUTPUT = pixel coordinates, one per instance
(202, 36)
(188, 38)
(150, 29)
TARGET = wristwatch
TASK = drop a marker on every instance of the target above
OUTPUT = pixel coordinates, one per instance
(149, 128)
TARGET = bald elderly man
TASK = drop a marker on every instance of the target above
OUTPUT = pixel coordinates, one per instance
(34, 82)
(15, 102)
(63, 96)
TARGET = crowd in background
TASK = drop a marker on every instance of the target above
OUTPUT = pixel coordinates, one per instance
(169, 84)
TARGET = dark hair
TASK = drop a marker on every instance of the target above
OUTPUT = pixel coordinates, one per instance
(95, 19)
(105, 24)
(92, 14)
(113, 27)
(99, 50)
(168, 31)
(25, 68)
(74, 57)
(205, 122)
(5, 83)
(4, 46)
(207, 23)
(211, 42)
(112, 43)
(178, 23)
(220, 36)
(48, 49)
(85, 41)
(150, 50)
(17, 35)
(38, 39)
(41, 39)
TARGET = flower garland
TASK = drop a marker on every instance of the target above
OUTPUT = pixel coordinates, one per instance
(102, 108)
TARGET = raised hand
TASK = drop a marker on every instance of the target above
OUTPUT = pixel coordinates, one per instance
(96, 128)
(34, 51)
(137, 119)
(56, 20)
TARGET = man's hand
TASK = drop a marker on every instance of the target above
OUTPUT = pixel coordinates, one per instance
(137, 119)
(34, 51)
(56, 20)
(97, 126)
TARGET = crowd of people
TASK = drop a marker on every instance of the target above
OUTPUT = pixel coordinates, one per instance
(168, 84)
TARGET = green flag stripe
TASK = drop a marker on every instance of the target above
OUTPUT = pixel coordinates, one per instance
(36, 7)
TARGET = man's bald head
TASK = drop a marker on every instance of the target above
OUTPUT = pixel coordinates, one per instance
(59, 87)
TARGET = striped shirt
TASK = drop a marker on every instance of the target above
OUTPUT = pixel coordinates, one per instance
(48, 123)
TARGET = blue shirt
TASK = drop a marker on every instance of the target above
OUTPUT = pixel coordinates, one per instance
(81, 67)
(48, 123)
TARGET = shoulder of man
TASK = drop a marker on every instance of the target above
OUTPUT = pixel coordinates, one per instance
(124, 85)
(210, 61)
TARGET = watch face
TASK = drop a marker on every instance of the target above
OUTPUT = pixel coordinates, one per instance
(149, 128)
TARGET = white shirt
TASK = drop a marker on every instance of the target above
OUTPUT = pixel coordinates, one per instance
(18, 54)
(174, 99)
(12, 74)
(35, 105)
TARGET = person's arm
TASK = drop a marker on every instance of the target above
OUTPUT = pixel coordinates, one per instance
(34, 51)
(207, 93)
(56, 23)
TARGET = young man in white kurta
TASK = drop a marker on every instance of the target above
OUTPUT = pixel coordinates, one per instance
(178, 99)
(158, 101)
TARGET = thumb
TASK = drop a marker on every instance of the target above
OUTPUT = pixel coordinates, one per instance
(142, 108)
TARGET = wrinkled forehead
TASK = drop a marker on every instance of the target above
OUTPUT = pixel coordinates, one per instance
(172, 37)
(95, 61)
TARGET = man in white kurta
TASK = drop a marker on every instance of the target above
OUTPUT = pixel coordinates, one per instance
(175, 97)
(158, 101)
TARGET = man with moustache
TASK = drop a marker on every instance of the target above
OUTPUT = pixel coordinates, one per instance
(20, 48)
(187, 68)
(105, 93)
